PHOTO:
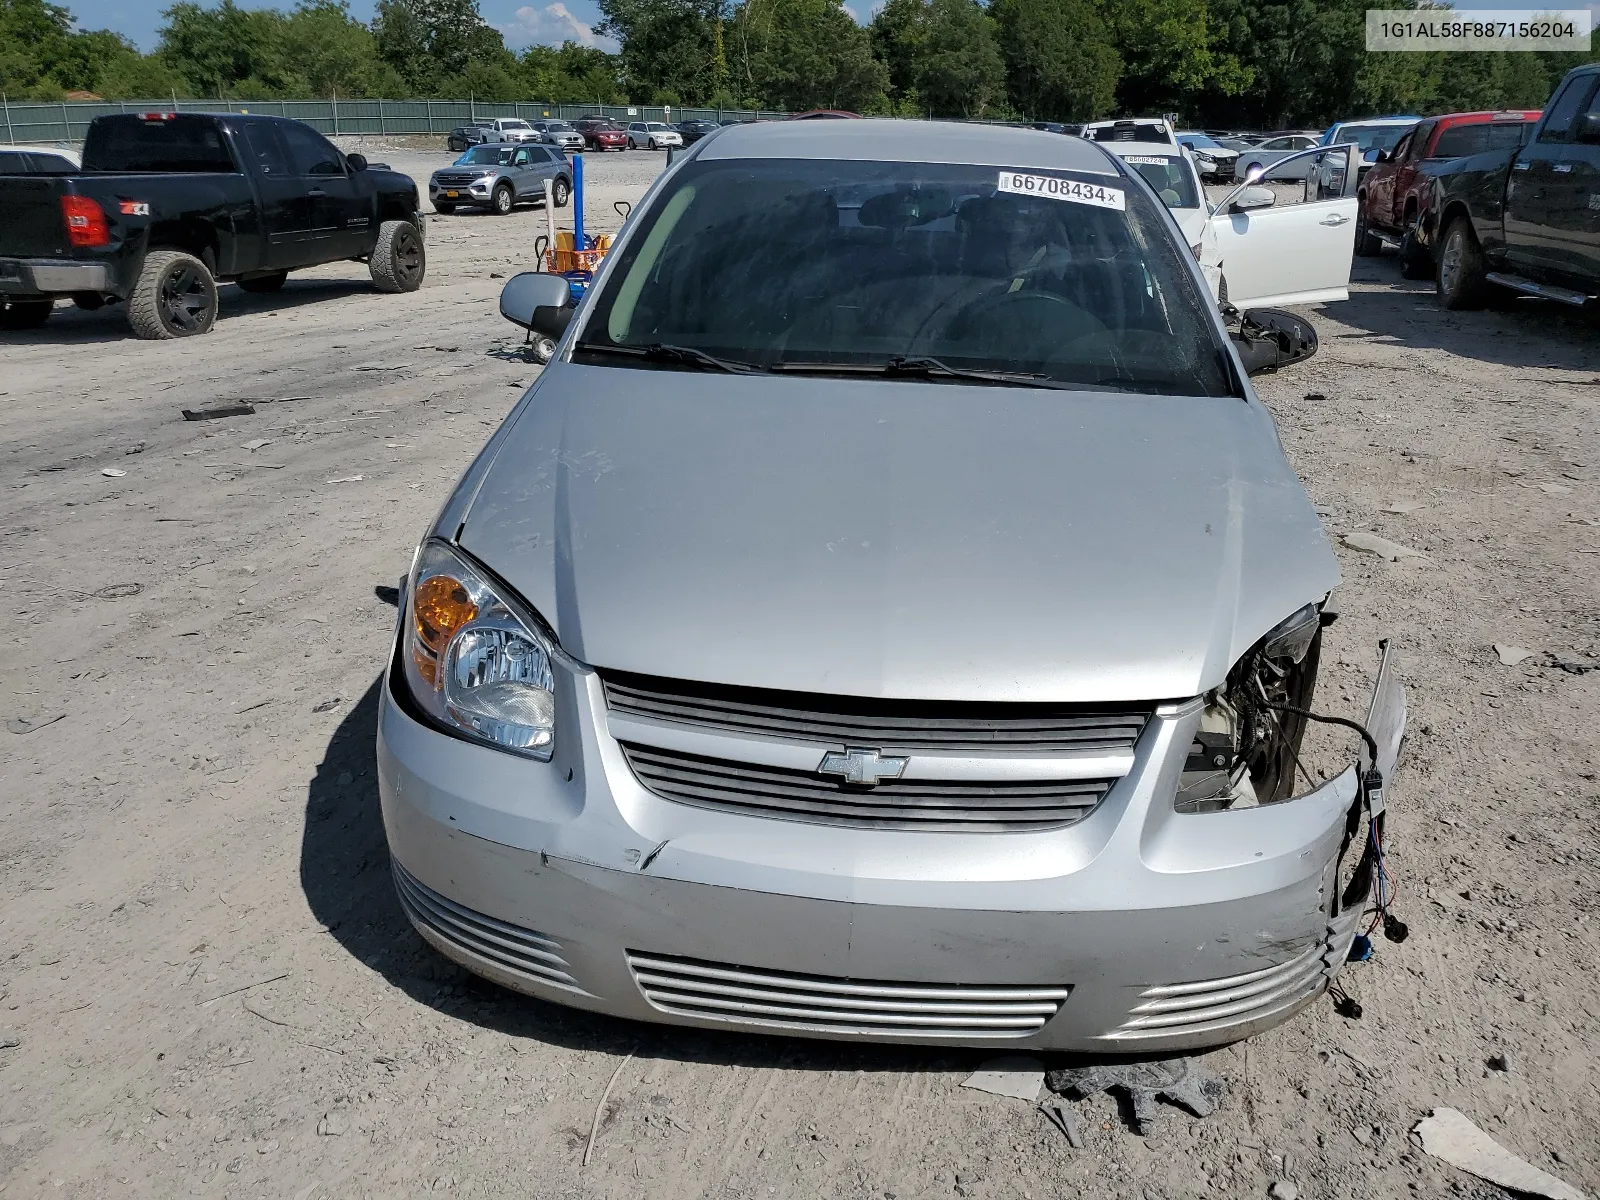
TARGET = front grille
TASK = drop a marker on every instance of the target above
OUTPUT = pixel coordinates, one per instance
(893, 726)
(523, 952)
(931, 804)
(1179, 1009)
(775, 999)
(457, 180)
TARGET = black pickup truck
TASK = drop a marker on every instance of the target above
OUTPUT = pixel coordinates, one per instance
(167, 204)
(1525, 219)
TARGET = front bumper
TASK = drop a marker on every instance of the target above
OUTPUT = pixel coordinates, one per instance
(51, 277)
(1137, 929)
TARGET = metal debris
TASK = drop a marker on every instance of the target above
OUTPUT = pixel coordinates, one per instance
(1176, 1080)
(215, 414)
(1381, 546)
(1018, 1075)
(1448, 1135)
(1062, 1118)
(1510, 655)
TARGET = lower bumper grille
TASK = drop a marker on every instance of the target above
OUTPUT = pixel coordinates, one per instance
(1216, 1004)
(773, 999)
(522, 952)
(930, 804)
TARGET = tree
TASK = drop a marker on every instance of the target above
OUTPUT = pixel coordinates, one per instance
(1060, 63)
(335, 53)
(1173, 53)
(941, 55)
(427, 41)
(573, 74)
(669, 47)
(800, 54)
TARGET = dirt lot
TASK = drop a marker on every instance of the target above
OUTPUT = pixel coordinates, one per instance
(214, 991)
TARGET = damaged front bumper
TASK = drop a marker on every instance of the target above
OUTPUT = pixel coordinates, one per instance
(1138, 928)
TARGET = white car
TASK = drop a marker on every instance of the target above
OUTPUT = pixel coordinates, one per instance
(512, 129)
(1242, 243)
(1135, 129)
(653, 135)
(38, 160)
(1215, 161)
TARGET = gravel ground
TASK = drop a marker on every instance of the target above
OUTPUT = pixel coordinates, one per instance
(211, 988)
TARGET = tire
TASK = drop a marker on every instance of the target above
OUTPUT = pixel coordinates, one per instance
(560, 192)
(1459, 278)
(1416, 260)
(399, 259)
(1222, 291)
(1368, 244)
(501, 200)
(263, 285)
(443, 207)
(175, 296)
(24, 314)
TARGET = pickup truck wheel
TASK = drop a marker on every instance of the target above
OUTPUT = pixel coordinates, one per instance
(560, 190)
(1415, 260)
(174, 297)
(399, 259)
(263, 284)
(501, 201)
(24, 314)
(1460, 280)
(1368, 244)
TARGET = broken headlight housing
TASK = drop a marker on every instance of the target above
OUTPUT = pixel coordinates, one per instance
(476, 660)
(1246, 750)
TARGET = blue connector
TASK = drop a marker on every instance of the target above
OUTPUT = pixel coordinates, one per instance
(1360, 949)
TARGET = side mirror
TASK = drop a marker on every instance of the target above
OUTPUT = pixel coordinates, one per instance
(1270, 338)
(1587, 128)
(1384, 156)
(1253, 198)
(358, 162)
(537, 301)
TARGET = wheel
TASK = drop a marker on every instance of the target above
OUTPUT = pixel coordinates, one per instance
(399, 259)
(24, 314)
(1416, 262)
(1368, 243)
(1248, 167)
(1460, 281)
(175, 296)
(653, 145)
(501, 200)
(264, 284)
(443, 207)
(560, 192)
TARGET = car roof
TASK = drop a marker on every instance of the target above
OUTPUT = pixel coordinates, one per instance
(910, 141)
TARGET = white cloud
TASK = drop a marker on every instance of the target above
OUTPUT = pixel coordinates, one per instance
(550, 26)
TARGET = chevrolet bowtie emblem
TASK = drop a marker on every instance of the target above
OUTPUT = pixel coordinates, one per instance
(865, 767)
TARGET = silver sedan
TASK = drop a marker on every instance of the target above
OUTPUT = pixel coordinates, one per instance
(889, 616)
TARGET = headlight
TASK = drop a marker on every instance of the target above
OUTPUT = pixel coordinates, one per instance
(475, 659)
(1246, 751)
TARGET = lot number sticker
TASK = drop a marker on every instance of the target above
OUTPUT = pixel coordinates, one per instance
(1063, 189)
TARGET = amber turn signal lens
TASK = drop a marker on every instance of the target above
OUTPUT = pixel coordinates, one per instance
(441, 607)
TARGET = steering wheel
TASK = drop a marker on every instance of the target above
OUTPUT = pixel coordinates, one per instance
(1008, 323)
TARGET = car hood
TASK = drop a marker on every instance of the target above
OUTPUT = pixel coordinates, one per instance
(896, 539)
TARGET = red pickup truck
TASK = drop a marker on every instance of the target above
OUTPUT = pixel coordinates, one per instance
(1394, 194)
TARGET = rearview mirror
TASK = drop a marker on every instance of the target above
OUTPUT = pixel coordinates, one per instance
(1253, 198)
(537, 301)
(1270, 338)
(358, 162)
(1587, 128)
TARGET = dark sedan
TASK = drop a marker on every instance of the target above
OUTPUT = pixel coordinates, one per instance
(463, 136)
(693, 131)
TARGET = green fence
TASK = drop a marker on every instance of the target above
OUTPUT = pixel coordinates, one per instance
(44, 123)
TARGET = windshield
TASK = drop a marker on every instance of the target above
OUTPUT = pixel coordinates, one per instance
(515, 125)
(1168, 176)
(657, 126)
(857, 265)
(1462, 140)
(557, 127)
(1373, 137)
(1199, 139)
(485, 156)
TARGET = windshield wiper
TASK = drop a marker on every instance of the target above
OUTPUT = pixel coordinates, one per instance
(901, 367)
(662, 352)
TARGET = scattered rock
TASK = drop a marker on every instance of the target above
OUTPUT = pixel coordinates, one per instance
(380, 366)
(113, 472)
(347, 479)
(1316, 397)
(332, 1124)
(136, 448)
(1362, 1134)
(30, 724)
(1510, 655)
(326, 705)
(9, 1040)
(1381, 546)
(216, 414)
(1555, 489)
(1283, 1189)
(257, 443)
(1402, 507)
(1500, 1062)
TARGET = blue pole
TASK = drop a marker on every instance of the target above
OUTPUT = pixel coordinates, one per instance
(577, 202)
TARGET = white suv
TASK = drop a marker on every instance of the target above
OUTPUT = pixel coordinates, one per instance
(653, 135)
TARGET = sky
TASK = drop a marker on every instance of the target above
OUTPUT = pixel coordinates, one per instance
(522, 24)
